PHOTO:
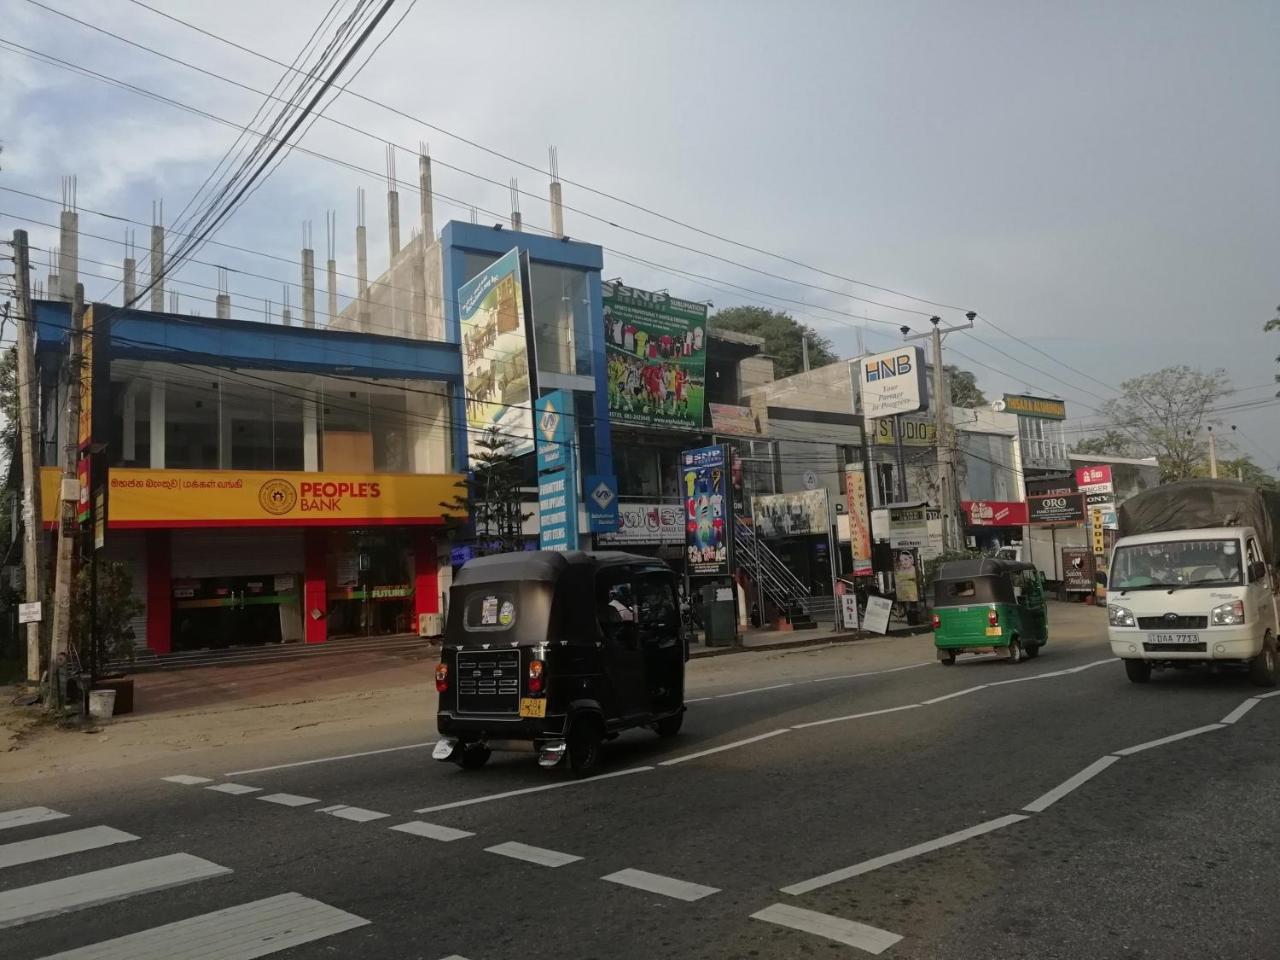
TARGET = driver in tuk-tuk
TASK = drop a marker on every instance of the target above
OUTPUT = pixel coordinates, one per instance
(620, 608)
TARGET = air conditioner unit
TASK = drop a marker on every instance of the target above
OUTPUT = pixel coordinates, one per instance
(430, 625)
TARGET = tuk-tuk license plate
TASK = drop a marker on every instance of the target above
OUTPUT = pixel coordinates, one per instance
(994, 631)
(533, 707)
(1173, 638)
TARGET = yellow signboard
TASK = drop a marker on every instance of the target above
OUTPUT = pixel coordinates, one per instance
(915, 433)
(238, 498)
(1041, 407)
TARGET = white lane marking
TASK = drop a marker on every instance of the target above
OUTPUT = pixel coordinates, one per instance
(739, 693)
(186, 779)
(432, 831)
(345, 756)
(287, 799)
(24, 904)
(849, 932)
(867, 866)
(60, 844)
(243, 932)
(538, 855)
(356, 814)
(664, 886)
(1043, 802)
(1240, 711)
(516, 793)
(698, 699)
(856, 716)
(454, 956)
(27, 816)
(1129, 751)
(1265, 696)
(235, 789)
(1090, 666)
(721, 749)
(952, 696)
(872, 673)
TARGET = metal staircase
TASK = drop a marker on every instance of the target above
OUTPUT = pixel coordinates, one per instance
(787, 591)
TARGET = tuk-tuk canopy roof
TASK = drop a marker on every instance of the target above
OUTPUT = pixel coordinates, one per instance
(542, 565)
(981, 567)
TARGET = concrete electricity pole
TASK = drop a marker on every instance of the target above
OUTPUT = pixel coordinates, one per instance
(1213, 455)
(951, 530)
(32, 514)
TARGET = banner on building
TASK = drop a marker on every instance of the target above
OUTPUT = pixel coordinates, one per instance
(1039, 407)
(994, 513)
(915, 433)
(917, 527)
(656, 353)
(892, 383)
(557, 472)
(734, 421)
(708, 521)
(648, 524)
(859, 514)
(496, 365)
(1056, 508)
(792, 514)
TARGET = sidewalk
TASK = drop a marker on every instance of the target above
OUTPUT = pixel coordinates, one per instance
(766, 638)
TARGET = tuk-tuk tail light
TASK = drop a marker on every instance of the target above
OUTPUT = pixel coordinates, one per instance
(535, 676)
(937, 621)
(993, 617)
(442, 677)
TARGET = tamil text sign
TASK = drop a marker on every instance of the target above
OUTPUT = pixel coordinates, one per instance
(892, 383)
(1056, 508)
(708, 527)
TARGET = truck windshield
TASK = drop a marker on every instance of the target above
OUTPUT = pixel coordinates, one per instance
(1177, 563)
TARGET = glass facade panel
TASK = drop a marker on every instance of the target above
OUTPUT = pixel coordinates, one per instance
(192, 427)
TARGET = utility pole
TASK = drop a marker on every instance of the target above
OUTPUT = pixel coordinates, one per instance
(951, 531)
(804, 351)
(1213, 455)
(32, 515)
(64, 571)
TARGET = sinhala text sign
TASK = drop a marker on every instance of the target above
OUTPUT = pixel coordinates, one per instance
(892, 383)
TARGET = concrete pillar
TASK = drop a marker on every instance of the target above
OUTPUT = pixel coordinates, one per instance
(130, 279)
(69, 253)
(54, 288)
(557, 209)
(515, 220)
(159, 592)
(424, 197)
(310, 438)
(308, 288)
(157, 424)
(393, 222)
(157, 268)
(129, 417)
(416, 322)
(331, 269)
(223, 306)
(286, 316)
(362, 280)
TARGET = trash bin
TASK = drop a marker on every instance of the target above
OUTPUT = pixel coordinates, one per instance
(719, 614)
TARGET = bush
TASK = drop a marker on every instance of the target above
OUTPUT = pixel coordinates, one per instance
(116, 608)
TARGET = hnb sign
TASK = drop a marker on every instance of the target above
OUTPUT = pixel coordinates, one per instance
(892, 383)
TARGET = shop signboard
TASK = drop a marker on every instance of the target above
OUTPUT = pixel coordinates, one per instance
(803, 513)
(707, 523)
(733, 420)
(650, 524)
(1056, 508)
(995, 513)
(1041, 408)
(876, 617)
(1093, 479)
(557, 472)
(849, 610)
(656, 354)
(915, 433)
(1077, 570)
(495, 356)
(917, 527)
(601, 491)
(1097, 531)
(30, 612)
(892, 383)
(855, 484)
(1099, 499)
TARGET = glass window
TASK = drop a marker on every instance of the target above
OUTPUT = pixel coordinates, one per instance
(346, 438)
(191, 423)
(245, 425)
(389, 422)
(637, 469)
(287, 427)
(1177, 563)
(490, 611)
(129, 441)
(561, 319)
(655, 600)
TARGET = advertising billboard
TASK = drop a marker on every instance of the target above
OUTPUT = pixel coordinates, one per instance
(915, 433)
(859, 520)
(1040, 407)
(656, 352)
(734, 420)
(1055, 508)
(652, 524)
(707, 519)
(916, 528)
(995, 513)
(892, 383)
(495, 355)
(791, 514)
(557, 472)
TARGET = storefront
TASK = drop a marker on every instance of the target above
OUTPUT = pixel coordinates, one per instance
(651, 529)
(990, 524)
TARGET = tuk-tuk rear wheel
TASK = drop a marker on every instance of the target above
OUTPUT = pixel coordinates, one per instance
(1015, 650)
(473, 758)
(584, 741)
(947, 659)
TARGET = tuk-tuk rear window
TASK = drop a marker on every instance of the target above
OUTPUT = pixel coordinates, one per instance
(486, 610)
(959, 590)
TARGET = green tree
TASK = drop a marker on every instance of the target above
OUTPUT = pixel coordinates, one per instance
(488, 498)
(1242, 468)
(117, 606)
(1164, 414)
(964, 390)
(782, 335)
(1111, 443)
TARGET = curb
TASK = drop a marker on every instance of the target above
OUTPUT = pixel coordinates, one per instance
(799, 644)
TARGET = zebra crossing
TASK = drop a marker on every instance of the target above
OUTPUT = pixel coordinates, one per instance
(258, 928)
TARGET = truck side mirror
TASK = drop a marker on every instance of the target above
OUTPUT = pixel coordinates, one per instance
(1257, 571)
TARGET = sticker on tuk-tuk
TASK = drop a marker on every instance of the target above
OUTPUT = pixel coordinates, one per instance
(507, 613)
(489, 612)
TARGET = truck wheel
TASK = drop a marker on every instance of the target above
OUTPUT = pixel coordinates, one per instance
(1138, 671)
(1263, 667)
(585, 737)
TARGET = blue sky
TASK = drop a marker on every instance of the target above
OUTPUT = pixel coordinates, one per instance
(1098, 179)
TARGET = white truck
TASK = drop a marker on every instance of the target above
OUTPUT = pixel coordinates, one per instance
(1192, 579)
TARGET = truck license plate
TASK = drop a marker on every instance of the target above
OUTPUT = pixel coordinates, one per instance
(1174, 638)
(533, 707)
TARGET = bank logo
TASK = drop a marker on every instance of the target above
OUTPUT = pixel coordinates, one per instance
(885, 368)
(277, 497)
(602, 495)
(550, 421)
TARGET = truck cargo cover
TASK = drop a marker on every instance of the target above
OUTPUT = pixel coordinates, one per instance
(1189, 504)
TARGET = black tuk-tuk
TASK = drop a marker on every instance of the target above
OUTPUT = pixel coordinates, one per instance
(558, 651)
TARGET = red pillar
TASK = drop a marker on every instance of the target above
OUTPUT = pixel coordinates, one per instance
(159, 592)
(315, 586)
(426, 575)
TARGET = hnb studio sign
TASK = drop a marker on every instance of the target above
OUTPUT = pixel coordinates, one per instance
(892, 383)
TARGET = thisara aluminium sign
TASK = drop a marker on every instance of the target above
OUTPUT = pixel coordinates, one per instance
(892, 383)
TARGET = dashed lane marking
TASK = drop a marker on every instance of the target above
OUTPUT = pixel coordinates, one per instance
(186, 779)
(538, 855)
(287, 799)
(27, 816)
(356, 814)
(235, 789)
(432, 831)
(664, 886)
(723, 747)
(849, 932)
(953, 695)
(516, 793)
(1241, 710)
(1042, 803)
(742, 693)
(1172, 738)
(242, 932)
(61, 844)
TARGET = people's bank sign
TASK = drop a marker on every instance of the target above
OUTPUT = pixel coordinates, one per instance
(892, 383)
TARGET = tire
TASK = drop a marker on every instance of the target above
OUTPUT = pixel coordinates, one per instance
(473, 758)
(669, 726)
(585, 739)
(1015, 650)
(1032, 650)
(1138, 671)
(1263, 669)
(949, 660)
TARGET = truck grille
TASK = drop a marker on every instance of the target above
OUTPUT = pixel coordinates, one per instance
(489, 681)
(1172, 623)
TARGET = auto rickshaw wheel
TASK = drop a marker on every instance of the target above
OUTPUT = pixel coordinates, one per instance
(1015, 650)
(947, 659)
(669, 726)
(473, 758)
(1031, 651)
(585, 738)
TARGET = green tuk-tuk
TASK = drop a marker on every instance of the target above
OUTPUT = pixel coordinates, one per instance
(989, 606)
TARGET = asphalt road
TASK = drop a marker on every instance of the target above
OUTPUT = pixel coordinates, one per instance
(859, 799)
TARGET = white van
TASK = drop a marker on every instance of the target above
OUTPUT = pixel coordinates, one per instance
(1203, 595)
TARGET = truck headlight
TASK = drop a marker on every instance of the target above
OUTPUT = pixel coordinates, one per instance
(1120, 617)
(1228, 614)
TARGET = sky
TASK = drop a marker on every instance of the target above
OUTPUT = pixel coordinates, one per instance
(1098, 181)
